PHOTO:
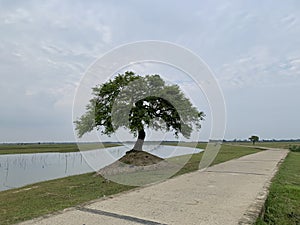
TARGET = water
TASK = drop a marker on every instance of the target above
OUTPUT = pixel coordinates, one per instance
(18, 170)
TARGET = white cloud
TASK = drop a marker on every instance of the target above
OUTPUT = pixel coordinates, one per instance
(289, 21)
(17, 16)
(260, 67)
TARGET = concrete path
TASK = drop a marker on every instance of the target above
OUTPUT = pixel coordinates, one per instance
(229, 193)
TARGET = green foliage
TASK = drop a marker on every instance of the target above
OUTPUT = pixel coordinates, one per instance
(295, 148)
(254, 138)
(136, 102)
(100, 107)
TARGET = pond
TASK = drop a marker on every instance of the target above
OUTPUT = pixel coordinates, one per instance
(17, 170)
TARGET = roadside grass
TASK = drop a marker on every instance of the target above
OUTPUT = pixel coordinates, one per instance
(283, 202)
(47, 197)
(46, 148)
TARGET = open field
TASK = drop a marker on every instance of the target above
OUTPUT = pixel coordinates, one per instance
(46, 197)
(283, 202)
(55, 147)
(66, 147)
(274, 144)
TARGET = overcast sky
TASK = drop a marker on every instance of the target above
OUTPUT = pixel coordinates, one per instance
(251, 46)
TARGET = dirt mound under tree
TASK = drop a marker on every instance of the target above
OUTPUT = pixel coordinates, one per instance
(135, 161)
(140, 158)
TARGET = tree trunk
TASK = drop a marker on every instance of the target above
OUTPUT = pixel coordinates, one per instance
(140, 141)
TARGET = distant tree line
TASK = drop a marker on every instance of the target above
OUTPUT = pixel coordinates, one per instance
(263, 140)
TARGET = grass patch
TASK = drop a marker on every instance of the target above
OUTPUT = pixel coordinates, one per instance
(283, 203)
(46, 197)
(227, 152)
(273, 144)
(46, 148)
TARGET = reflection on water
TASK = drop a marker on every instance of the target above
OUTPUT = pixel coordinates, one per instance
(18, 170)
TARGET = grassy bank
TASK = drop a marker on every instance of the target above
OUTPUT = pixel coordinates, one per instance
(283, 203)
(55, 147)
(46, 197)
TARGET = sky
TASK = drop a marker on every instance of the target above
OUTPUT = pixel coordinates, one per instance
(251, 46)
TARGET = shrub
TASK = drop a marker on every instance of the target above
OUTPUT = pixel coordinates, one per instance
(295, 148)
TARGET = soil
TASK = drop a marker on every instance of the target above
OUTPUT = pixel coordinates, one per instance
(132, 162)
(140, 158)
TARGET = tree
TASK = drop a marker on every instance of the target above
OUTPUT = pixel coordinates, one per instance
(135, 102)
(254, 139)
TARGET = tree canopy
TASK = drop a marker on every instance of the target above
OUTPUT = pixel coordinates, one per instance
(135, 102)
(254, 138)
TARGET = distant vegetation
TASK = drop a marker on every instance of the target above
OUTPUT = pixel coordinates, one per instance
(254, 139)
(263, 140)
(292, 144)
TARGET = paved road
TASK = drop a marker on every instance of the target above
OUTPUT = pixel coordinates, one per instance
(229, 193)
